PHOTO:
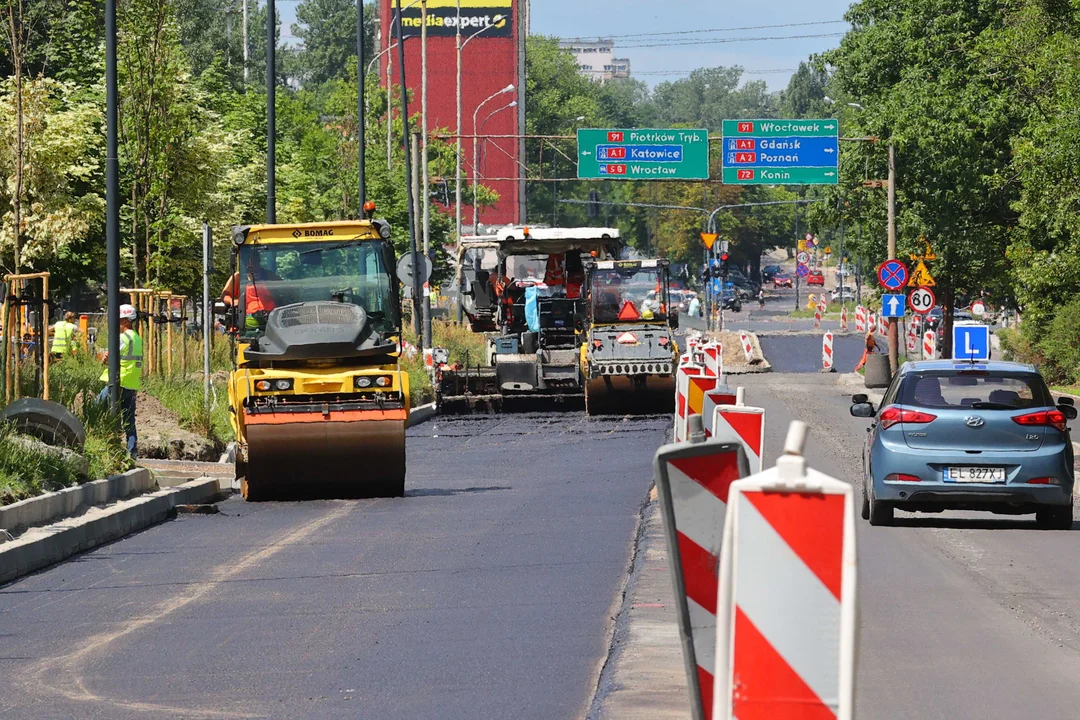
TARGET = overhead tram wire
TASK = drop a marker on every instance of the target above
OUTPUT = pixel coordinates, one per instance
(721, 41)
(734, 29)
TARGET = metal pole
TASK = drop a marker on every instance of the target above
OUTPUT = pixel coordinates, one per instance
(271, 113)
(425, 170)
(522, 35)
(389, 103)
(112, 203)
(457, 170)
(208, 245)
(361, 114)
(797, 278)
(414, 195)
(893, 344)
(408, 175)
(245, 33)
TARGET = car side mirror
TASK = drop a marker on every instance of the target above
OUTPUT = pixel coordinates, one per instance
(1068, 411)
(863, 410)
(1065, 400)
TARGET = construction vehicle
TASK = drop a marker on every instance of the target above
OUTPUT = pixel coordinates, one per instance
(630, 354)
(527, 299)
(318, 398)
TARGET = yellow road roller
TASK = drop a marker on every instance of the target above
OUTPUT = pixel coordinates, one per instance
(318, 398)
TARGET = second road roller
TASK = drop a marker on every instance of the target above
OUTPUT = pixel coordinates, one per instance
(318, 397)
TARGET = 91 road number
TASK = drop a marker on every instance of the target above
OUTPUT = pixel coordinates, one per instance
(922, 300)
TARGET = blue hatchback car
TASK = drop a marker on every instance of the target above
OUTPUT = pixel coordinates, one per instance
(968, 436)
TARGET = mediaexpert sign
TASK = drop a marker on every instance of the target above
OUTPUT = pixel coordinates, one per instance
(779, 152)
(643, 154)
(442, 18)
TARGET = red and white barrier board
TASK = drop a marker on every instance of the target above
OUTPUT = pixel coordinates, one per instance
(720, 395)
(817, 317)
(860, 319)
(929, 345)
(714, 359)
(683, 373)
(747, 347)
(871, 322)
(882, 326)
(843, 318)
(742, 424)
(786, 614)
(692, 480)
(827, 352)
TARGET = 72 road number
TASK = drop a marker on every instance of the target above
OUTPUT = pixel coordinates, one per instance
(922, 300)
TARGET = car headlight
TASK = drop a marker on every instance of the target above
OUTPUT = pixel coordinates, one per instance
(384, 381)
(262, 385)
(283, 384)
(363, 381)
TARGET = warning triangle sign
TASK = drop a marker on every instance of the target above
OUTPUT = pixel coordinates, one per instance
(921, 277)
(709, 239)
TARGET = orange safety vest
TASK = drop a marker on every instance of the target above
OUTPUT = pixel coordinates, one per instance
(257, 301)
(555, 274)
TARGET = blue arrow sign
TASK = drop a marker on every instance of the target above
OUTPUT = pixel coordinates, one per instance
(781, 152)
(893, 306)
(971, 342)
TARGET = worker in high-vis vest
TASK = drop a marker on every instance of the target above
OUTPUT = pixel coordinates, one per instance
(258, 301)
(63, 335)
(131, 357)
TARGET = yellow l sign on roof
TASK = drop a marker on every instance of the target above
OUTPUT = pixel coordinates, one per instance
(709, 239)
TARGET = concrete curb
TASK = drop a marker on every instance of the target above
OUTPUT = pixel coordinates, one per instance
(421, 414)
(43, 546)
(69, 501)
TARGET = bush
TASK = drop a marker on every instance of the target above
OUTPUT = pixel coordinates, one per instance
(1060, 346)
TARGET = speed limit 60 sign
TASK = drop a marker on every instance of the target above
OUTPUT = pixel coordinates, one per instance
(922, 300)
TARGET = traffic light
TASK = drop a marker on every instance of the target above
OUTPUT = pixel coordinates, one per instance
(724, 264)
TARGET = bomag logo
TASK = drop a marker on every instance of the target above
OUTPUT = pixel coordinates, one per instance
(312, 233)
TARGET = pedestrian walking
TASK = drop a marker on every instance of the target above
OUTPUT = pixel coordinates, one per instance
(131, 356)
(63, 335)
(694, 308)
(761, 298)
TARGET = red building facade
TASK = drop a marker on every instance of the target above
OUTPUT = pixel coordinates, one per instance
(491, 61)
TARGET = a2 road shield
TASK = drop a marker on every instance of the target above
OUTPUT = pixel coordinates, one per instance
(692, 481)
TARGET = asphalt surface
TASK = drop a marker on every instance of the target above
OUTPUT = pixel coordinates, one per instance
(487, 592)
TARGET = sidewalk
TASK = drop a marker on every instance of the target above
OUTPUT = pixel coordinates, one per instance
(645, 678)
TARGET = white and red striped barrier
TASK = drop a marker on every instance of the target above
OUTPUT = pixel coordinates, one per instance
(843, 318)
(871, 323)
(714, 359)
(827, 352)
(787, 613)
(747, 347)
(720, 395)
(683, 373)
(692, 480)
(912, 341)
(882, 326)
(743, 424)
(817, 317)
(860, 319)
(929, 345)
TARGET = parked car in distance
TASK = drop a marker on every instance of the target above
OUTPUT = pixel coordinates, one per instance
(968, 436)
(781, 280)
(770, 271)
(843, 294)
(816, 277)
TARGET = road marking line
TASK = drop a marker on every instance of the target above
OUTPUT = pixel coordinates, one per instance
(62, 675)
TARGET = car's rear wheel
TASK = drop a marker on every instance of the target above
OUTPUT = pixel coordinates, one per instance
(879, 513)
(1055, 518)
(865, 503)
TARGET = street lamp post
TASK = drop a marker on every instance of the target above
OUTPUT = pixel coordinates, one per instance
(390, 84)
(460, 46)
(476, 147)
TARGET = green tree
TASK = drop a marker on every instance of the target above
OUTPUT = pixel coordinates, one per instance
(327, 29)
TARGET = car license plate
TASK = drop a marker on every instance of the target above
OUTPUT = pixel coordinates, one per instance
(974, 474)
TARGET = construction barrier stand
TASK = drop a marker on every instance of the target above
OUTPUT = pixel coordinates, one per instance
(692, 481)
(742, 424)
(787, 615)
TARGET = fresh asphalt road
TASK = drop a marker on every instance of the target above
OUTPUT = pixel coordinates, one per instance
(487, 592)
(962, 615)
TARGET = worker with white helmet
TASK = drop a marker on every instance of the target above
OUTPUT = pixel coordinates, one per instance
(131, 356)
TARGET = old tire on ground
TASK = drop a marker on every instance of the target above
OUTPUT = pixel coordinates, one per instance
(47, 421)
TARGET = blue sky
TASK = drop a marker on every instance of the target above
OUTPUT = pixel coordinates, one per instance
(605, 18)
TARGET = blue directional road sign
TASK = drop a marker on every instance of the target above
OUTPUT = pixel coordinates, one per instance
(971, 342)
(893, 306)
(781, 152)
